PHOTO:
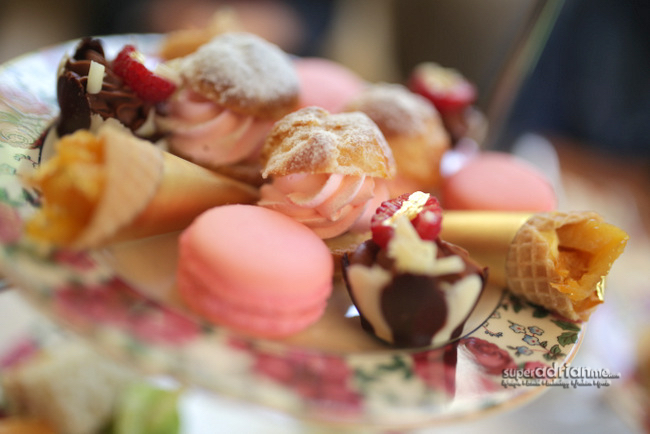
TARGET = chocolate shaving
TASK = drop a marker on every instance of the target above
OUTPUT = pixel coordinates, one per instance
(73, 104)
(114, 100)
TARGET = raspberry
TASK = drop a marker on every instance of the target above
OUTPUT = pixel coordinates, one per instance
(145, 83)
(423, 210)
(446, 88)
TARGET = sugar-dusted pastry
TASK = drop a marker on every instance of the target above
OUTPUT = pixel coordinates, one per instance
(411, 288)
(558, 260)
(110, 185)
(498, 181)
(232, 90)
(414, 131)
(326, 84)
(181, 42)
(327, 171)
(254, 270)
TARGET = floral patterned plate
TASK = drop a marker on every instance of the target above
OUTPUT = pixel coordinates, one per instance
(122, 299)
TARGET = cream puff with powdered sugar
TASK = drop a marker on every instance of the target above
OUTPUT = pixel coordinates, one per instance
(327, 171)
(232, 90)
(414, 130)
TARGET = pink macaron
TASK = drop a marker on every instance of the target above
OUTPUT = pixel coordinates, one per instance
(498, 181)
(327, 84)
(254, 270)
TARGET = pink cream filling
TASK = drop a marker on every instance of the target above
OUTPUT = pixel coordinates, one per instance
(329, 204)
(208, 134)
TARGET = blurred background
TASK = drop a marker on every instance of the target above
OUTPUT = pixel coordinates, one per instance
(587, 78)
(565, 84)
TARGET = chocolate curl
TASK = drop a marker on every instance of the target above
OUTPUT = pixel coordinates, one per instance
(114, 100)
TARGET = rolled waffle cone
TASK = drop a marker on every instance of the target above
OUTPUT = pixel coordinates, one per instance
(150, 192)
(558, 260)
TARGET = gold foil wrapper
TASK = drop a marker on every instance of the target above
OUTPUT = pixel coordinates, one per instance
(558, 260)
(486, 235)
(600, 289)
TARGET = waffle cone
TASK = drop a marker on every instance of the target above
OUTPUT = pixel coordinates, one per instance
(557, 260)
(150, 192)
(560, 261)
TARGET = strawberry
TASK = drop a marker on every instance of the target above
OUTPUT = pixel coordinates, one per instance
(446, 88)
(422, 209)
(146, 84)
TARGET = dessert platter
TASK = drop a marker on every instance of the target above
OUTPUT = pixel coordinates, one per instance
(212, 218)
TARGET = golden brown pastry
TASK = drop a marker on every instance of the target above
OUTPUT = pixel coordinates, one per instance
(311, 140)
(327, 171)
(413, 129)
(180, 43)
(231, 91)
(243, 73)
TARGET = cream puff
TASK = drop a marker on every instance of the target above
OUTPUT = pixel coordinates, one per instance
(232, 90)
(413, 129)
(328, 171)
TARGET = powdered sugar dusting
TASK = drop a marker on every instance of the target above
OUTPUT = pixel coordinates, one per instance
(395, 109)
(245, 73)
(311, 140)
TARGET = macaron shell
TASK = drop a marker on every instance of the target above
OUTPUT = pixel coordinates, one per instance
(261, 251)
(228, 290)
(327, 84)
(254, 269)
(498, 181)
(258, 323)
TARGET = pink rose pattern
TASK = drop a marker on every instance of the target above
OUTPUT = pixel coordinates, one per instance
(535, 368)
(10, 224)
(324, 381)
(77, 260)
(437, 368)
(492, 359)
(20, 352)
(113, 303)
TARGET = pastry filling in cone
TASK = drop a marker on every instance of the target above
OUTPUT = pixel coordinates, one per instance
(71, 184)
(583, 253)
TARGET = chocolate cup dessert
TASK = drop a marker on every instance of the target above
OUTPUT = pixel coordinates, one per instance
(414, 310)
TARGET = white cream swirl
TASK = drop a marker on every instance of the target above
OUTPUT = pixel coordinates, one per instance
(210, 135)
(329, 204)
